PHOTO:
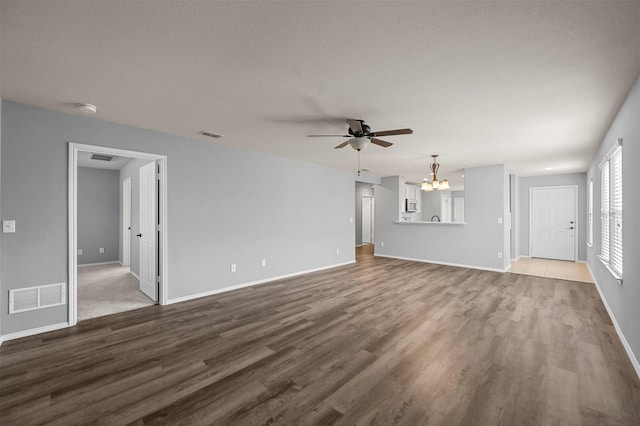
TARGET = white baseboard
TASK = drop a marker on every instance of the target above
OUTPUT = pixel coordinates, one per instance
(437, 262)
(134, 274)
(252, 283)
(98, 263)
(33, 331)
(625, 343)
(519, 257)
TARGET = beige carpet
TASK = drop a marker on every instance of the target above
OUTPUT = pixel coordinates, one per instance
(108, 289)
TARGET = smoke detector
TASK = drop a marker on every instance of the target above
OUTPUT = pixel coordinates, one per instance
(87, 108)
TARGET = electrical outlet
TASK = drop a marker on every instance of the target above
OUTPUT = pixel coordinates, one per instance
(350, 220)
(79, 252)
(233, 267)
(264, 262)
(381, 243)
(8, 226)
(337, 251)
(499, 220)
(101, 250)
(499, 255)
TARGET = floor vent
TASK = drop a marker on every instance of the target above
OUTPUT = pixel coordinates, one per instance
(30, 298)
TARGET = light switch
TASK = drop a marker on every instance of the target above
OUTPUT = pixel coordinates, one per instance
(8, 226)
(499, 220)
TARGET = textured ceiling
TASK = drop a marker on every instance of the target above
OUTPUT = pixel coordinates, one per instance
(529, 84)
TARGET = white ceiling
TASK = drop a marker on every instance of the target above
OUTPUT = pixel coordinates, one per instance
(529, 84)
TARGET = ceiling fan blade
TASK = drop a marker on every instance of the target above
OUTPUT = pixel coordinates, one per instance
(381, 143)
(342, 145)
(393, 132)
(329, 136)
(356, 125)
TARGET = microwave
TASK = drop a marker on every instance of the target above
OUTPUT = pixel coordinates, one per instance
(411, 205)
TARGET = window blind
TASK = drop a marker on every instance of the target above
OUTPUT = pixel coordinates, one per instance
(604, 211)
(615, 212)
(590, 214)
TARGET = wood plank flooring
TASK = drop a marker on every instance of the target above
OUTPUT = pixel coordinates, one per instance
(383, 342)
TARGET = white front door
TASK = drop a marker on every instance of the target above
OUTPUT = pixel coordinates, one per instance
(366, 220)
(148, 231)
(553, 223)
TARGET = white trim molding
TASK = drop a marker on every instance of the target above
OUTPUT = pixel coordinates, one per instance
(252, 283)
(33, 331)
(74, 149)
(437, 262)
(623, 339)
(111, 262)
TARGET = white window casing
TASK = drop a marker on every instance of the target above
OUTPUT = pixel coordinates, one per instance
(611, 211)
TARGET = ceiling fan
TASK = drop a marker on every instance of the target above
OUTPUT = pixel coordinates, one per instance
(361, 135)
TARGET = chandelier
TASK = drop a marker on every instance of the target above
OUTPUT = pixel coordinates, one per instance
(435, 184)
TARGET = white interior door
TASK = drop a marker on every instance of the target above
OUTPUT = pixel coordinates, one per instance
(147, 235)
(126, 222)
(366, 220)
(553, 223)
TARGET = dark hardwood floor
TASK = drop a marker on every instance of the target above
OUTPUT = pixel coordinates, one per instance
(381, 342)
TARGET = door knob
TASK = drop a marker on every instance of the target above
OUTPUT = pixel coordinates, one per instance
(140, 235)
(571, 227)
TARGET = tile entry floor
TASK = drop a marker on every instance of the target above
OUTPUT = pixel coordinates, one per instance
(549, 268)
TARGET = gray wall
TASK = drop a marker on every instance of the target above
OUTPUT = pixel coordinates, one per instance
(624, 300)
(475, 244)
(132, 170)
(579, 179)
(361, 189)
(211, 223)
(431, 204)
(98, 207)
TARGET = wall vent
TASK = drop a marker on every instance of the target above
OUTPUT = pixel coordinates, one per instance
(101, 157)
(30, 298)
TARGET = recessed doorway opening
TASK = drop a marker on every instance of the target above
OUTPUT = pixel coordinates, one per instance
(117, 231)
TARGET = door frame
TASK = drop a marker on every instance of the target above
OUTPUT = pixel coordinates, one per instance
(575, 211)
(371, 217)
(126, 210)
(74, 149)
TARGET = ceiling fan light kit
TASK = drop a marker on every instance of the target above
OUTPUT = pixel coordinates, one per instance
(87, 108)
(361, 136)
(359, 143)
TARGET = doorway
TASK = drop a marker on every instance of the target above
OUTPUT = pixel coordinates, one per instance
(553, 224)
(368, 209)
(152, 208)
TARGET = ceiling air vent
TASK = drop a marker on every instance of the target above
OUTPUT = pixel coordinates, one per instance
(102, 157)
(210, 134)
